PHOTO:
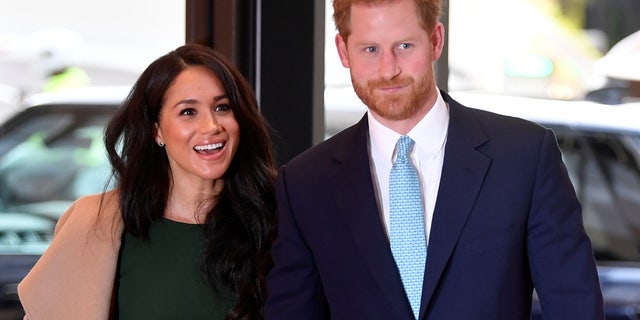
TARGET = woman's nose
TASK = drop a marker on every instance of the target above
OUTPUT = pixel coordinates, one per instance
(211, 123)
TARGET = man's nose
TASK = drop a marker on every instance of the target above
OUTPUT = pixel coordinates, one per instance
(389, 67)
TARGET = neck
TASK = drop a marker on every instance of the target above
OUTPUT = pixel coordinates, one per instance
(191, 205)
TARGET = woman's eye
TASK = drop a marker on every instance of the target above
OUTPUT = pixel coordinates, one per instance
(223, 107)
(188, 112)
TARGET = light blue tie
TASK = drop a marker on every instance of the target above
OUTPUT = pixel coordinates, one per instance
(407, 237)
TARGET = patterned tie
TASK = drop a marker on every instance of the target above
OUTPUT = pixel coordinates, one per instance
(407, 237)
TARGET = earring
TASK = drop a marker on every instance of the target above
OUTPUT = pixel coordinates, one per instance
(161, 144)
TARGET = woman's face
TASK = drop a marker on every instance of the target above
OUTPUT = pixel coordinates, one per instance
(198, 128)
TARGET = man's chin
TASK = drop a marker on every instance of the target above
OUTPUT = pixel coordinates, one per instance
(392, 111)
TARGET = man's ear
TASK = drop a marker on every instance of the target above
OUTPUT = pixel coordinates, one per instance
(437, 41)
(341, 45)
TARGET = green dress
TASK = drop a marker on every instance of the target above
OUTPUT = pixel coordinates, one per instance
(161, 279)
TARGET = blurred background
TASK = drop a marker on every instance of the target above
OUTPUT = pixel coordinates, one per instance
(572, 65)
(108, 43)
(551, 49)
(536, 48)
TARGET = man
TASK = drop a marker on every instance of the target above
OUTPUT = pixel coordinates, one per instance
(496, 213)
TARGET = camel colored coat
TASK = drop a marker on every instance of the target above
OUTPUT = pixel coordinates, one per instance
(75, 276)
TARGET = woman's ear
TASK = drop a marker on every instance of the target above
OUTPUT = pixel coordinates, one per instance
(158, 134)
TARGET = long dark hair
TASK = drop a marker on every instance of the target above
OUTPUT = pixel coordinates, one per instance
(241, 226)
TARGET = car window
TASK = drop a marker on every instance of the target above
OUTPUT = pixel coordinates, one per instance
(604, 169)
(53, 156)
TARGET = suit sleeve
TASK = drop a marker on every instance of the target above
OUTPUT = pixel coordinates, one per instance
(295, 289)
(560, 254)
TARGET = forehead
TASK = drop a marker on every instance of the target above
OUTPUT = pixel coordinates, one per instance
(196, 78)
(396, 19)
(194, 84)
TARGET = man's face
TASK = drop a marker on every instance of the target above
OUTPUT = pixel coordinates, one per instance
(390, 58)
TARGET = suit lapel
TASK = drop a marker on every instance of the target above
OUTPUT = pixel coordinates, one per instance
(354, 193)
(463, 173)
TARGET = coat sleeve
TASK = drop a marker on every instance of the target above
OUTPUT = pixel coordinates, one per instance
(74, 277)
(295, 289)
(561, 259)
(30, 287)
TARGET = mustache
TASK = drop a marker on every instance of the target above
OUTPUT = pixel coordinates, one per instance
(385, 83)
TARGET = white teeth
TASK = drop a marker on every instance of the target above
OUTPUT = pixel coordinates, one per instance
(209, 146)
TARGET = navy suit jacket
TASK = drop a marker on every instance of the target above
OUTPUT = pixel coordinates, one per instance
(506, 220)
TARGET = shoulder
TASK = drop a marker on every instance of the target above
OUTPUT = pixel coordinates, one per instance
(493, 124)
(107, 199)
(94, 208)
(336, 148)
(457, 109)
(496, 135)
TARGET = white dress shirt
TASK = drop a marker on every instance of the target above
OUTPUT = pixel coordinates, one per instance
(429, 135)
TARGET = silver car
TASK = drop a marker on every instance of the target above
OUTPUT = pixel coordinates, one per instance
(51, 152)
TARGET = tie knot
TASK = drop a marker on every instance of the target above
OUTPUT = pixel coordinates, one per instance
(403, 146)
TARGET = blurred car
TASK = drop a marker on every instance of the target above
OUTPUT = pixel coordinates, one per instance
(621, 61)
(621, 66)
(51, 152)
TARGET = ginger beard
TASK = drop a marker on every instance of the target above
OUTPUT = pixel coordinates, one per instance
(394, 106)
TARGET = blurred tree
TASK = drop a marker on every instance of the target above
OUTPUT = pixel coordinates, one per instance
(616, 18)
(574, 11)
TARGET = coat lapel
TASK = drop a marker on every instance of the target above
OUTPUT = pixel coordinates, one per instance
(355, 196)
(463, 173)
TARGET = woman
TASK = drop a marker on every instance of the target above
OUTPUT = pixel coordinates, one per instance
(187, 233)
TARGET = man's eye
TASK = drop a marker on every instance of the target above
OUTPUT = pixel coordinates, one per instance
(404, 46)
(371, 49)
